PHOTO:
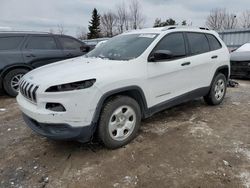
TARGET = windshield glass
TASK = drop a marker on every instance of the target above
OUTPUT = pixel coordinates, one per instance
(123, 47)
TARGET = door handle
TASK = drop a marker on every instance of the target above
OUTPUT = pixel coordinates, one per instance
(214, 57)
(185, 64)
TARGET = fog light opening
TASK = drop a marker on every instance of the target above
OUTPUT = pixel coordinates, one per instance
(56, 107)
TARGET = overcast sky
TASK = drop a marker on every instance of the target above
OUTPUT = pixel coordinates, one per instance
(43, 15)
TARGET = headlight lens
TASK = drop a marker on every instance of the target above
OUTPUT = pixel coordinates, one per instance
(72, 86)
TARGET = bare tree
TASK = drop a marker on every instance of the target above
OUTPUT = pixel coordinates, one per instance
(108, 23)
(230, 21)
(245, 19)
(216, 18)
(136, 16)
(81, 33)
(60, 29)
(219, 19)
(122, 18)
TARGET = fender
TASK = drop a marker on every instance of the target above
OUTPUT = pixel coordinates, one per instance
(16, 65)
(10, 67)
(218, 70)
(134, 90)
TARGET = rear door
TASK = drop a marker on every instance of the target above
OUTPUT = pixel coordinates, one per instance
(41, 50)
(10, 50)
(202, 60)
(71, 47)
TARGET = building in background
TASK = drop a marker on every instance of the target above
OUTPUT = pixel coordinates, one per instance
(235, 38)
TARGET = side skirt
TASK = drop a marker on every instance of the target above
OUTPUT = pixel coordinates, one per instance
(177, 100)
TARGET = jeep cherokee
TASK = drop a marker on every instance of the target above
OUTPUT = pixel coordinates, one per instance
(132, 76)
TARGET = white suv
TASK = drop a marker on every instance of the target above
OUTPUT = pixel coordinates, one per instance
(132, 76)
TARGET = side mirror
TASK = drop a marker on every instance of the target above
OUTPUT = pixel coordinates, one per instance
(161, 55)
(85, 48)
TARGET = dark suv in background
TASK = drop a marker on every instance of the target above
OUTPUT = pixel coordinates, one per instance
(21, 52)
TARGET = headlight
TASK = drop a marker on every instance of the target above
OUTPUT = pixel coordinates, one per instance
(72, 86)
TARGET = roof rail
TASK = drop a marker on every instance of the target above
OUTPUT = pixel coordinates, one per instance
(180, 27)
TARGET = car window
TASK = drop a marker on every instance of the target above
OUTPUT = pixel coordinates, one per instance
(41, 43)
(213, 42)
(10, 43)
(70, 44)
(198, 43)
(173, 42)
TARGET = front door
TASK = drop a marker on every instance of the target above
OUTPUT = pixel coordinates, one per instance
(171, 77)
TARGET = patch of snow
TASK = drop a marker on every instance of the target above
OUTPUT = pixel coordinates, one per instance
(226, 163)
(245, 178)
(201, 129)
(236, 103)
(2, 109)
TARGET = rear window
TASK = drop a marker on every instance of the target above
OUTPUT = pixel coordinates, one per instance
(213, 42)
(10, 43)
(41, 43)
(69, 43)
(198, 43)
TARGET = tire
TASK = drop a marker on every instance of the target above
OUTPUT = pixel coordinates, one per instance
(217, 91)
(119, 122)
(12, 77)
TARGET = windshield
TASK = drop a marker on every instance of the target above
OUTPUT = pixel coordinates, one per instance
(123, 47)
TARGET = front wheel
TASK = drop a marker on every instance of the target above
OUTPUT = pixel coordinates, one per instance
(11, 81)
(217, 91)
(119, 122)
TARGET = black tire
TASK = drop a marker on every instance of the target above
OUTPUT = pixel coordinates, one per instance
(107, 113)
(211, 98)
(8, 78)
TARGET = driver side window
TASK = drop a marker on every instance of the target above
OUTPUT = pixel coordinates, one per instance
(174, 43)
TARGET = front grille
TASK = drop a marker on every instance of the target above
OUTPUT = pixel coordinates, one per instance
(28, 90)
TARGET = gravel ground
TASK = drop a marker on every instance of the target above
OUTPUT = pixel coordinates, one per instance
(192, 145)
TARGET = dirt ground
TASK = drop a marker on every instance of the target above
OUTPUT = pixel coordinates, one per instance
(192, 145)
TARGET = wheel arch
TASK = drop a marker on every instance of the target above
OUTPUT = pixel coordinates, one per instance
(7, 69)
(15, 66)
(224, 70)
(134, 92)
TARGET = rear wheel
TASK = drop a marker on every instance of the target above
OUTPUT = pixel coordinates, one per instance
(119, 122)
(217, 91)
(11, 81)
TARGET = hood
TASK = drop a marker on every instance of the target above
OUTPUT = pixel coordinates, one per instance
(71, 70)
(240, 56)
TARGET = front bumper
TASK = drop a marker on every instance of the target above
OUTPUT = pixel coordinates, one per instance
(60, 131)
(240, 69)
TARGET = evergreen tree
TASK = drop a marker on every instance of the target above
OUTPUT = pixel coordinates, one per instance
(159, 23)
(184, 22)
(94, 27)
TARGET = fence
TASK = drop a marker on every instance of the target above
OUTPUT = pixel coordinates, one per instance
(235, 38)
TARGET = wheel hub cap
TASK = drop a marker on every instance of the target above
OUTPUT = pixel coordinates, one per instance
(15, 82)
(219, 89)
(122, 123)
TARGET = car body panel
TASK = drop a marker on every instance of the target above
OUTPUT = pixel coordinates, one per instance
(240, 64)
